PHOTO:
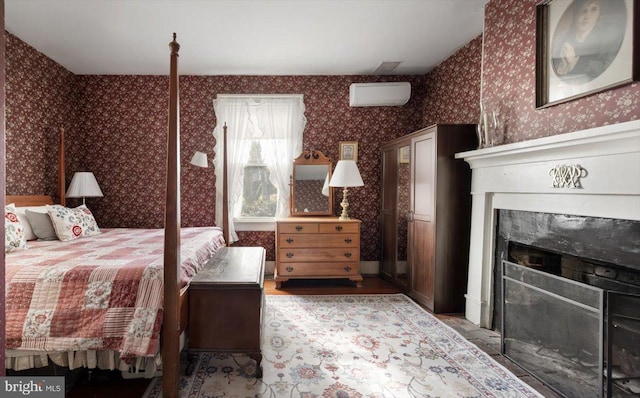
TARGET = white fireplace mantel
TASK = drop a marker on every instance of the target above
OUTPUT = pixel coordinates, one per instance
(517, 177)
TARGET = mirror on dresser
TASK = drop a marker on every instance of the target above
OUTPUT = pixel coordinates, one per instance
(310, 191)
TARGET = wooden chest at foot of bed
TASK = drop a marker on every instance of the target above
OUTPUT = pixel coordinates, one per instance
(225, 303)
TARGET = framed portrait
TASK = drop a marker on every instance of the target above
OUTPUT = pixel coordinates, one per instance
(349, 150)
(584, 47)
(405, 154)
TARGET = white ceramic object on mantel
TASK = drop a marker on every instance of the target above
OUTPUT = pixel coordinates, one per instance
(517, 177)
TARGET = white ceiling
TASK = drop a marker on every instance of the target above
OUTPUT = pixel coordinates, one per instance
(246, 37)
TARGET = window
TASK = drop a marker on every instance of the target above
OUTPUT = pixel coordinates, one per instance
(259, 195)
(264, 135)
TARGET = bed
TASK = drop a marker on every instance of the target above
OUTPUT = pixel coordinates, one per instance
(116, 299)
(95, 301)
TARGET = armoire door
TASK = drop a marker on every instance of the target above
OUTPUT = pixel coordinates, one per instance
(422, 228)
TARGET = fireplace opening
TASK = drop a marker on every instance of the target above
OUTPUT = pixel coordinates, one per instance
(592, 272)
(565, 314)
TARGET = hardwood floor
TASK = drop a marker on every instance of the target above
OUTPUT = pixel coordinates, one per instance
(109, 385)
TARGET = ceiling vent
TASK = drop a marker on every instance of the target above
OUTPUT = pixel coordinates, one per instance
(379, 94)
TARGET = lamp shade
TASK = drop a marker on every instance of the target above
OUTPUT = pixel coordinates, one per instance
(84, 185)
(199, 159)
(346, 174)
(325, 186)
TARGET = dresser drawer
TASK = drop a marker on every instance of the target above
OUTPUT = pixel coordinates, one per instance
(298, 228)
(339, 228)
(319, 254)
(318, 269)
(318, 240)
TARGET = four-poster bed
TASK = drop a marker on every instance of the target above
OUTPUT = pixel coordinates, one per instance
(185, 251)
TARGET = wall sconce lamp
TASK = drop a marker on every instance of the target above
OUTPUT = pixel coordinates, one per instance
(346, 175)
(84, 185)
(200, 159)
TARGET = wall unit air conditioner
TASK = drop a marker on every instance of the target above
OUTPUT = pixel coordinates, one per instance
(379, 94)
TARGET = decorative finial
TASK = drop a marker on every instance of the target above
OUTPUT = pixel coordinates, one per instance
(174, 46)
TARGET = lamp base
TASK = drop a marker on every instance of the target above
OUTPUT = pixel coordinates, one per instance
(345, 206)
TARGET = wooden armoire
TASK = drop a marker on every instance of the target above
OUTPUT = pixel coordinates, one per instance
(426, 215)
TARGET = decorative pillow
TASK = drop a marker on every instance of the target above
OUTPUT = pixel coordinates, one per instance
(13, 231)
(26, 225)
(41, 225)
(72, 223)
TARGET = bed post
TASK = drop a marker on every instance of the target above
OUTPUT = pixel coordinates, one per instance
(3, 165)
(225, 189)
(61, 170)
(171, 324)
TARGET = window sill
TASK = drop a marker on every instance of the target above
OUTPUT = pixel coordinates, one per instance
(255, 224)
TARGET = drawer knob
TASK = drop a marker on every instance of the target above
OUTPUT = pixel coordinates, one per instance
(289, 255)
(298, 228)
(347, 254)
(289, 269)
(348, 240)
(289, 240)
(338, 227)
(347, 269)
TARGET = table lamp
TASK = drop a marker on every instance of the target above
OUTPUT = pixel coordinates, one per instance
(84, 185)
(345, 175)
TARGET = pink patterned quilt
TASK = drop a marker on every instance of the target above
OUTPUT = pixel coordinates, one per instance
(103, 292)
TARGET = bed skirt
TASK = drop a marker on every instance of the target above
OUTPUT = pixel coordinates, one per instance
(147, 367)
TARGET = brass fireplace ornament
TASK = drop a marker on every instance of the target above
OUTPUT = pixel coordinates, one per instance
(567, 176)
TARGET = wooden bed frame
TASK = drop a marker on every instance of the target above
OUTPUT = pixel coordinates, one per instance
(175, 316)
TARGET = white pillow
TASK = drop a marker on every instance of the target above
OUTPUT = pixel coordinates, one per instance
(72, 223)
(13, 232)
(26, 225)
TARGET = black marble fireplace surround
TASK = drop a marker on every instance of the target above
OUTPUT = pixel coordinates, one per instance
(568, 300)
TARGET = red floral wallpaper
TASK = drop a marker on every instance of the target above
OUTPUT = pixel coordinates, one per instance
(123, 119)
(452, 89)
(40, 99)
(509, 80)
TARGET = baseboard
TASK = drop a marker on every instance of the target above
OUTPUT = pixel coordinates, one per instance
(269, 267)
(369, 267)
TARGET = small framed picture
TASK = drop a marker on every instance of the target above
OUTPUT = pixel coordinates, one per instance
(405, 154)
(349, 150)
(584, 47)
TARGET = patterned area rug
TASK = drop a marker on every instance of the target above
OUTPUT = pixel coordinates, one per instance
(352, 346)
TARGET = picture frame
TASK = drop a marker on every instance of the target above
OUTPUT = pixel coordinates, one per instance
(349, 150)
(405, 154)
(584, 47)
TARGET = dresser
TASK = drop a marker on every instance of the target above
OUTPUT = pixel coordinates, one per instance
(225, 304)
(317, 248)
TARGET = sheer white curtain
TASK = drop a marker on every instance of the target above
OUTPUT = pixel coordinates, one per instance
(277, 122)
